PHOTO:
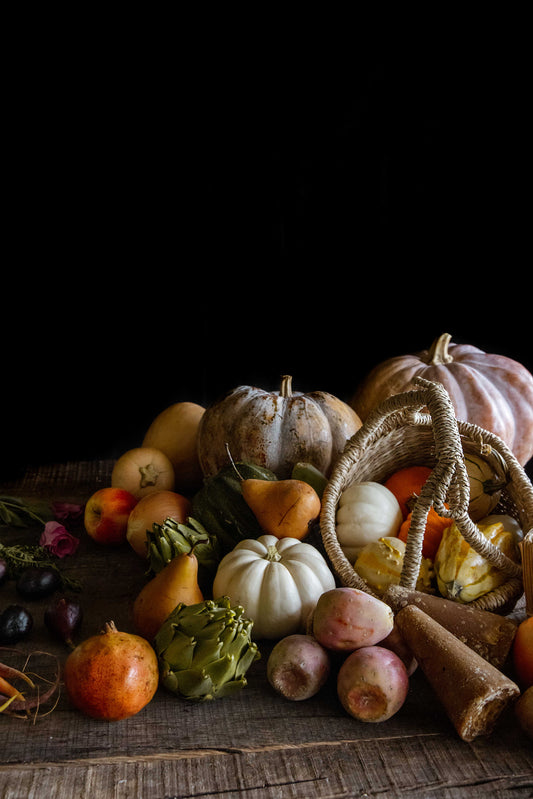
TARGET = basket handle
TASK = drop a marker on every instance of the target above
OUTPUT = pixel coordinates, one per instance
(448, 483)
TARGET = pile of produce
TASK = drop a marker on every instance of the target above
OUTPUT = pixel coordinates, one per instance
(373, 521)
(223, 506)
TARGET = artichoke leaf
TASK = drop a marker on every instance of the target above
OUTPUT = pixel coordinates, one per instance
(194, 683)
(180, 652)
(250, 656)
(205, 651)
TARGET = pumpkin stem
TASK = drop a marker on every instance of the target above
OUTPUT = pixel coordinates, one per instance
(272, 554)
(286, 386)
(239, 475)
(439, 350)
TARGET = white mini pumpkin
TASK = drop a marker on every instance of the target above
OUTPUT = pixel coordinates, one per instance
(366, 512)
(276, 580)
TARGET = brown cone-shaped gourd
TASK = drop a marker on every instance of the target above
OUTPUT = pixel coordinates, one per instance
(489, 634)
(472, 691)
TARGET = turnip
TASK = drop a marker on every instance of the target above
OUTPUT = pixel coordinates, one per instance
(298, 667)
(372, 684)
(142, 470)
(346, 618)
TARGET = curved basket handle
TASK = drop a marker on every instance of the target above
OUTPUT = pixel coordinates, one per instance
(448, 483)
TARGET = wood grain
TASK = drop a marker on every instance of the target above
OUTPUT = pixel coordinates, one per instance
(253, 744)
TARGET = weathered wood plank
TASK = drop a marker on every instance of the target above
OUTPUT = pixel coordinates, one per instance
(255, 743)
(325, 769)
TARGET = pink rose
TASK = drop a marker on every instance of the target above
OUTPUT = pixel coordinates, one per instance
(66, 510)
(57, 540)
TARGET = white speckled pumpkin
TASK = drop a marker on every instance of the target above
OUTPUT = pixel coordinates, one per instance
(275, 429)
(492, 391)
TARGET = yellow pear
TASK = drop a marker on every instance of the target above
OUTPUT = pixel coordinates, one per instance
(176, 582)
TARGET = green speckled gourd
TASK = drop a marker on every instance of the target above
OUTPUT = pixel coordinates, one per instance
(205, 650)
(170, 539)
(220, 507)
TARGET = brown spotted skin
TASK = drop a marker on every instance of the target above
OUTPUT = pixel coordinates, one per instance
(275, 430)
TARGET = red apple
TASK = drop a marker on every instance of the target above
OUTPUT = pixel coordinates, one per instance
(107, 513)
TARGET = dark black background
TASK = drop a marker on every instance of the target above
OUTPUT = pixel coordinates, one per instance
(174, 233)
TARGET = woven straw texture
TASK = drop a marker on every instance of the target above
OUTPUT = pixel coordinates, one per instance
(419, 428)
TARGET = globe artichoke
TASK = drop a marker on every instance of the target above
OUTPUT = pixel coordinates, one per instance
(170, 539)
(205, 649)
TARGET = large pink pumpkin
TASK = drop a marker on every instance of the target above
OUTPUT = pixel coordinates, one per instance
(275, 429)
(492, 391)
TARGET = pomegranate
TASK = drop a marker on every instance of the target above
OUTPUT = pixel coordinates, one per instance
(112, 675)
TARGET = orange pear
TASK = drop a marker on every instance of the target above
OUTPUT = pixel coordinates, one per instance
(284, 508)
(176, 582)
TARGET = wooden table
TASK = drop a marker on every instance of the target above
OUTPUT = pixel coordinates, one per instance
(255, 744)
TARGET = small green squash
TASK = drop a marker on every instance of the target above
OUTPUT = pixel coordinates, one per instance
(220, 507)
(487, 480)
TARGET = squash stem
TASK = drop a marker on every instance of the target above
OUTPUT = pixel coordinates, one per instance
(239, 475)
(272, 554)
(439, 350)
(286, 386)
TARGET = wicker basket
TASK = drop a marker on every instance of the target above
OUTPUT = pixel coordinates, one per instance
(419, 428)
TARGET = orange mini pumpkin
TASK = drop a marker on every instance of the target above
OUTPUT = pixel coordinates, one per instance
(435, 526)
(406, 485)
